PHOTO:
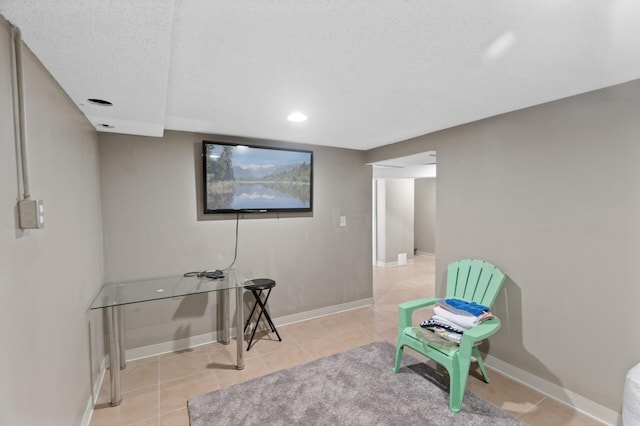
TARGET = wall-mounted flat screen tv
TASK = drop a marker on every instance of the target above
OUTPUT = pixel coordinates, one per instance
(246, 178)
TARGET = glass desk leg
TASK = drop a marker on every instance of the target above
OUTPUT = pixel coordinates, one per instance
(113, 327)
(123, 360)
(224, 316)
(239, 328)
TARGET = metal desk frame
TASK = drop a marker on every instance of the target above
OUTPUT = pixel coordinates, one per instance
(113, 297)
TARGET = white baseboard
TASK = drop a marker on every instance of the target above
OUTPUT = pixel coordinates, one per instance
(329, 310)
(391, 264)
(560, 394)
(203, 339)
(425, 254)
(88, 412)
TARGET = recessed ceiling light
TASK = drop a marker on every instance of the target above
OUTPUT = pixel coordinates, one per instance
(101, 102)
(297, 117)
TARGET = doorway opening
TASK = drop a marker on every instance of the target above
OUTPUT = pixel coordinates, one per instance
(403, 209)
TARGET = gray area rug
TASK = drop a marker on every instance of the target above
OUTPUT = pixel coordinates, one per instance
(356, 387)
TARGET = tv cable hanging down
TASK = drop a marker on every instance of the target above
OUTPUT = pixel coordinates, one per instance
(215, 274)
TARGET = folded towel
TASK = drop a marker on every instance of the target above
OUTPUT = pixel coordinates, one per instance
(449, 323)
(444, 304)
(473, 308)
(436, 321)
(461, 320)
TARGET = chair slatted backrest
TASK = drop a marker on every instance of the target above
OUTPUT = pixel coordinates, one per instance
(474, 280)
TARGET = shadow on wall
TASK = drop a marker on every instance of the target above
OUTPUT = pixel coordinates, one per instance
(196, 306)
(509, 345)
(192, 306)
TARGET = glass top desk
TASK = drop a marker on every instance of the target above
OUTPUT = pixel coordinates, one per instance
(114, 296)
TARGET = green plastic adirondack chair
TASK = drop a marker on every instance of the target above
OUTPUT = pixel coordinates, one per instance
(472, 280)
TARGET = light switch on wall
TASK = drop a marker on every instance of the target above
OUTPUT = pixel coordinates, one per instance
(343, 221)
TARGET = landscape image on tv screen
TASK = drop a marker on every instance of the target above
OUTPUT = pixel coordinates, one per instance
(242, 178)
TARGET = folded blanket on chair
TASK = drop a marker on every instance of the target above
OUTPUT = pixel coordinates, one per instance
(461, 320)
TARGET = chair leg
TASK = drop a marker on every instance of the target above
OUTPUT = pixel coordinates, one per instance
(253, 332)
(273, 327)
(476, 354)
(455, 401)
(267, 316)
(250, 315)
(263, 310)
(399, 349)
(458, 382)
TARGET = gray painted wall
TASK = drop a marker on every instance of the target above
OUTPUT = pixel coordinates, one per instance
(48, 276)
(551, 195)
(395, 210)
(425, 215)
(152, 227)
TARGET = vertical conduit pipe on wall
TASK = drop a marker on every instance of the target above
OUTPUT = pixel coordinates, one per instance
(20, 112)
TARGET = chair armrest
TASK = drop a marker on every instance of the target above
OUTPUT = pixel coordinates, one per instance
(405, 310)
(479, 332)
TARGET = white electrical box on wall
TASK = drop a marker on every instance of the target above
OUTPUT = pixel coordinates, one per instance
(31, 214)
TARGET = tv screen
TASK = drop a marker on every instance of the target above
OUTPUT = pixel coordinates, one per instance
(245, 178)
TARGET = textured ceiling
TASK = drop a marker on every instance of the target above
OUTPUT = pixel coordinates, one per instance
(367, 73)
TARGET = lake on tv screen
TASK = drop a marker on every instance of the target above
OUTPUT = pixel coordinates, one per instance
(268, 196)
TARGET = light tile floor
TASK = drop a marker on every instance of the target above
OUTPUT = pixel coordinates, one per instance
(155, 389)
